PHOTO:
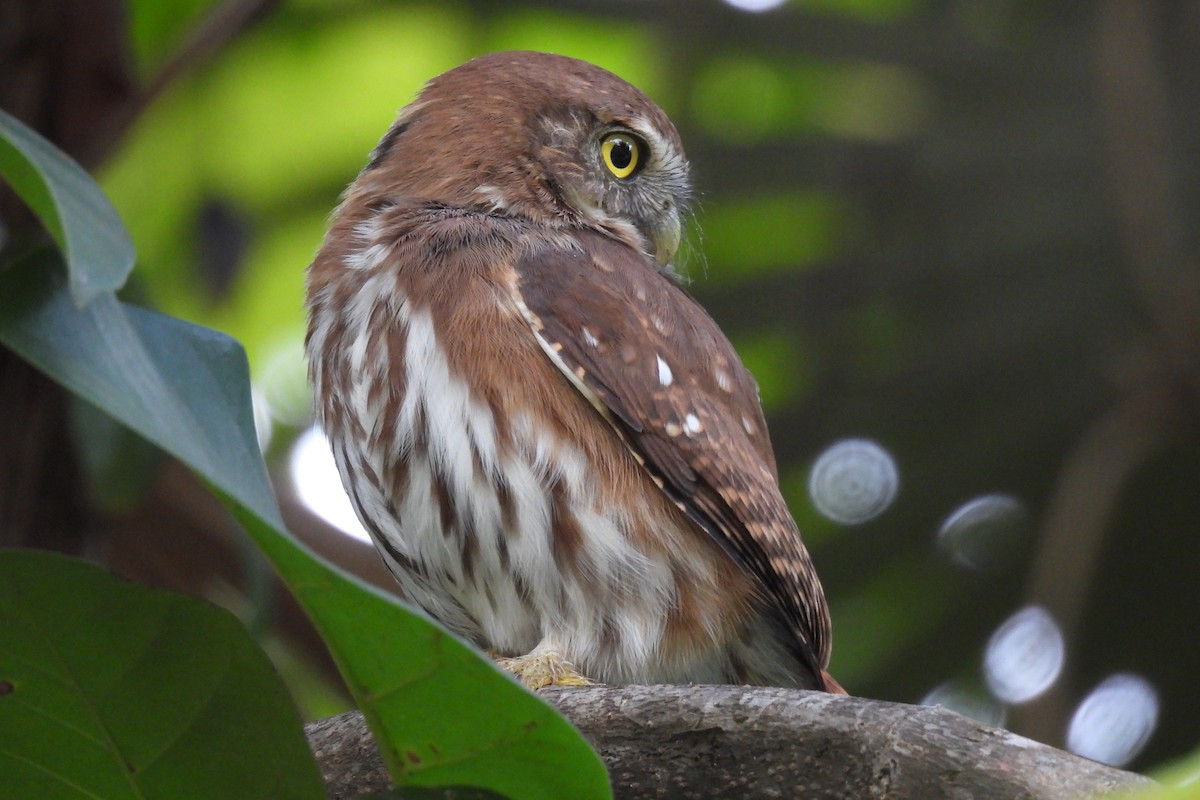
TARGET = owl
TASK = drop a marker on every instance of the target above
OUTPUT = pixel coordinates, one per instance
(555, 449)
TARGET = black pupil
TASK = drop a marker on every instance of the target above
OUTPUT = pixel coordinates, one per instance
(621, 154)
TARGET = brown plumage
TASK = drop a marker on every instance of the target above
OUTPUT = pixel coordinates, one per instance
(554, 447)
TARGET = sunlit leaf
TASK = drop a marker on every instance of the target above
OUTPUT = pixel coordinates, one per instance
(114, 690)
(98, 251)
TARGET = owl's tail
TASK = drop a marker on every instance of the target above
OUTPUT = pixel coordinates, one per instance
(831, 684)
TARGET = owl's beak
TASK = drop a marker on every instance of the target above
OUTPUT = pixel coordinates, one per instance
(665, 233)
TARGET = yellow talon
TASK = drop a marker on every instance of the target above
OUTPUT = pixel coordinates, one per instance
(543, 668)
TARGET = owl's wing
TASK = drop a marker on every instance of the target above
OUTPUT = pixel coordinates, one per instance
(660, 370)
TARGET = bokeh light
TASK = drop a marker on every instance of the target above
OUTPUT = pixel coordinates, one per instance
(755, 6)
(853, 481)
(1115, 721)
(983, 533)
(318, 485)
(968, 699)
(1024, 656)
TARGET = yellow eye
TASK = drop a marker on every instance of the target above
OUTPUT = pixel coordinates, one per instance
(622, 154)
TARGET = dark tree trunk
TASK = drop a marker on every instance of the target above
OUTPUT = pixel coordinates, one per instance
(66, 75)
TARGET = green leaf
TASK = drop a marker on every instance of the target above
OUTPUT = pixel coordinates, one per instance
(441, 713)
(1178, 780)
(113, 690)
(82, 221)
(174, 383)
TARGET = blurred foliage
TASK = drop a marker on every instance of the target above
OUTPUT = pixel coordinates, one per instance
(176, 701)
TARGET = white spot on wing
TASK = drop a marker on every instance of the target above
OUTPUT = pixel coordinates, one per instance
(590, 338)
(496, 198)
(692, 423)
(664, 372)
(723, 380)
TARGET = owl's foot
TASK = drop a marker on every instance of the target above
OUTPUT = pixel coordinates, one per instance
(543, 667)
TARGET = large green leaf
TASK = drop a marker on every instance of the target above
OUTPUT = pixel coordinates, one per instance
(441, 713)
(82, 220)
(114, 690)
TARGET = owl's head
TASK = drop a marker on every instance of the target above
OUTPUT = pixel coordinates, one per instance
(544, 137)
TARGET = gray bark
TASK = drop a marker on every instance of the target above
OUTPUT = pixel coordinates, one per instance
(753, 742)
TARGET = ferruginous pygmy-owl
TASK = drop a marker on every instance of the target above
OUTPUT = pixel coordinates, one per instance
(555, 448)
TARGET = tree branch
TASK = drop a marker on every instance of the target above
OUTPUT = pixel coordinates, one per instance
(751, 742)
